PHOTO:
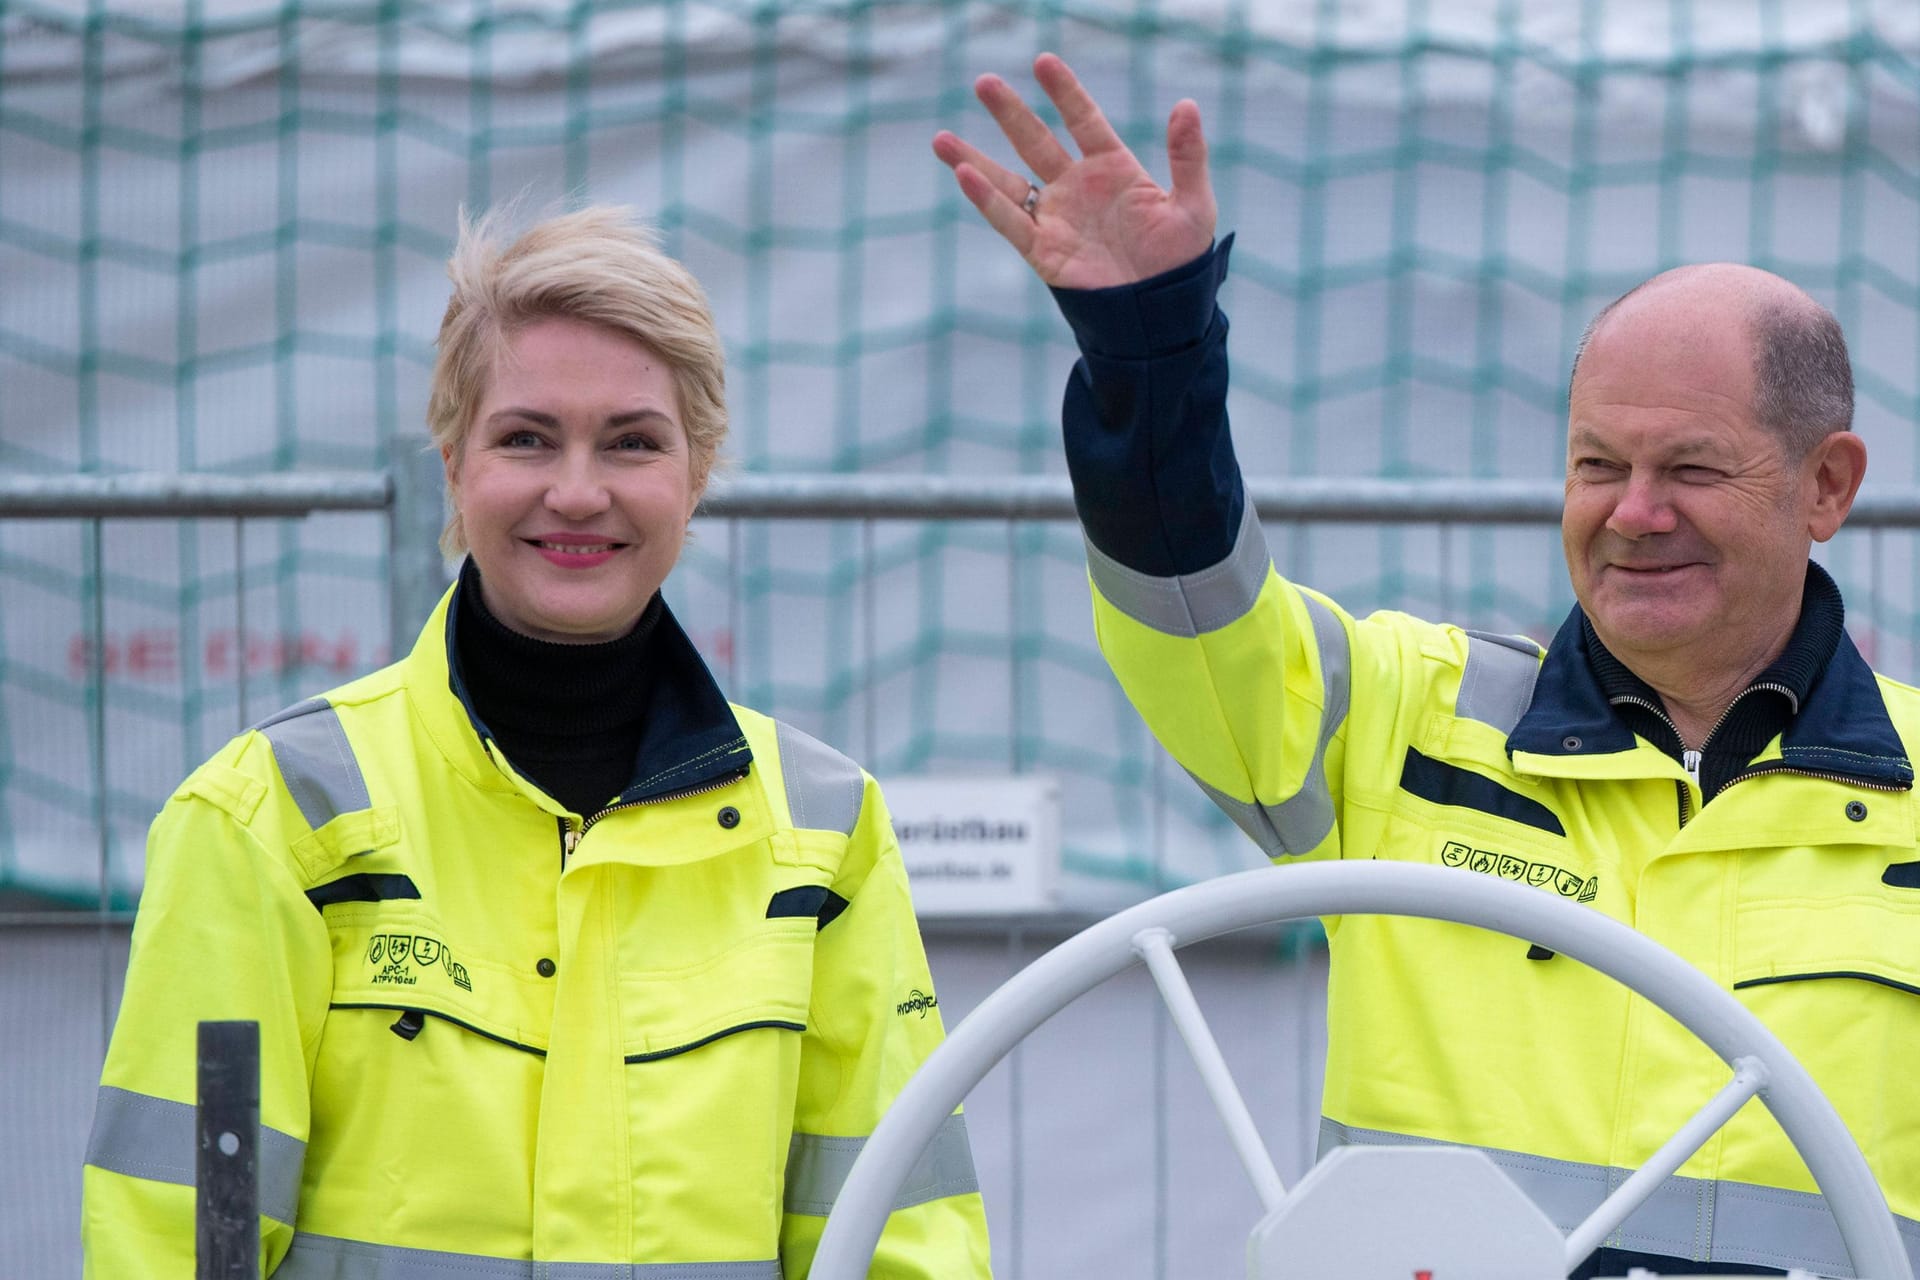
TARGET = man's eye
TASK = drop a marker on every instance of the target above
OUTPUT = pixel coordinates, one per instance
(1596, 468)
(1697, 475)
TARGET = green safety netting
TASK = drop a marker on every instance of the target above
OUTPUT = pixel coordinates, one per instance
(222, 223)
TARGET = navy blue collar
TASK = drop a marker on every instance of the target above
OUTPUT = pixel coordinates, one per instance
(690, 737)
(1842, 726)
(1570, 714)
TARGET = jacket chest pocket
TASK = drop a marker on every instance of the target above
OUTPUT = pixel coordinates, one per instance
(763, 982)
(1838, 980)
(712, 1063)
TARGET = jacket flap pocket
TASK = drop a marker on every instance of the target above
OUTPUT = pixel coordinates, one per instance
(1852, 938)
(764, 982)
(394, 955)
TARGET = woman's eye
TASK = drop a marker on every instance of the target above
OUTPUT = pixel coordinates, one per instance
(630, 442)
(520, 440)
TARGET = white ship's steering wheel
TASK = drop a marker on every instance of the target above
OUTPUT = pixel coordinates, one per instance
(1151, 931)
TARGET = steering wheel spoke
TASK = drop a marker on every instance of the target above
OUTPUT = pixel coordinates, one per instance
(1155, 946)
(1750, 1076)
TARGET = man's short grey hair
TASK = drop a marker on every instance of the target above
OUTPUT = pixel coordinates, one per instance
(1803, 381)
(1802, 377)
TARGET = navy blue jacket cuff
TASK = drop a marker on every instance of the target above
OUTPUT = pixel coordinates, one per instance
(1145, 420)
(1158, 316)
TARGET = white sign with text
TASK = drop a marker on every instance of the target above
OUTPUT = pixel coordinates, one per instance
(978, 845)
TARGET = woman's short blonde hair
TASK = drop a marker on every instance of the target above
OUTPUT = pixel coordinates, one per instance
(600, 265)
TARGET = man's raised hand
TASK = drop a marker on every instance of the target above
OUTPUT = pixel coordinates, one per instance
(1099, 220)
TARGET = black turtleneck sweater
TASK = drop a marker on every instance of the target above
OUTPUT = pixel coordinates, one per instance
(1758, 714)
(568, 716)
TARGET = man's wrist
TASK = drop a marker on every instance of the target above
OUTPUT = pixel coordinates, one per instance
(1161, 315)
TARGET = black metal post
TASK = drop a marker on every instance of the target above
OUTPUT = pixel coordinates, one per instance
(226, 1163)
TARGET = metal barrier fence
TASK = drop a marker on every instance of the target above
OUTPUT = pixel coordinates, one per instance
(979, 951)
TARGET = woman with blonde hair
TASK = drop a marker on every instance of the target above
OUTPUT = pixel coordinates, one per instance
(565, 967)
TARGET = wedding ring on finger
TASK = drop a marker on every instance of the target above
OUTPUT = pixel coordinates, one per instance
(1032, 201)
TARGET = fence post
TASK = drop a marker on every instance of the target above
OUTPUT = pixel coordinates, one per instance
(418, 575)
(226, 1157)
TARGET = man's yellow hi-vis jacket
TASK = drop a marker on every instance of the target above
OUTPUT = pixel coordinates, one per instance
(1327, 736)
(503, 1042)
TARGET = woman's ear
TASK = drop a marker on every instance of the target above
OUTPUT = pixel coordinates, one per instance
(697, 489)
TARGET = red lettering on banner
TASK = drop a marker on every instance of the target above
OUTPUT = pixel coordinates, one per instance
(147, 654)
(217, 658)
(336, 655)
(153, 653)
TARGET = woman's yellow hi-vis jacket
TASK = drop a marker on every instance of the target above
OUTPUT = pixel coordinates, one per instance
(503, 1042)
(1327, 736)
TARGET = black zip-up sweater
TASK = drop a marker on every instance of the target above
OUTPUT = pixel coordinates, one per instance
(568, 716)
(1754, 718)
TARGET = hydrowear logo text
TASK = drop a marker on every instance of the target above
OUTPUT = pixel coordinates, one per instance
(917, 1001)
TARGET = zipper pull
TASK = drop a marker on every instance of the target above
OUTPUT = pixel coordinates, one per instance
(1690, 761)
(567, 842)
(409, 1024)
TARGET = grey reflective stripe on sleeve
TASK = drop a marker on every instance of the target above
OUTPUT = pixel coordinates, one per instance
(146, 1137)
(1300, 822)
(316, 761)
(1695, 1218)
(823, 787)
(328, 1258)
(1497, 685)
(817, 1167)
(1188, 604)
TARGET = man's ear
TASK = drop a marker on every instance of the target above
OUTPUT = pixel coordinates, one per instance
(1830, 477)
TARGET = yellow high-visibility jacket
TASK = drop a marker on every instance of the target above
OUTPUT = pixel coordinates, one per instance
(1327, 736)
(502, 1041)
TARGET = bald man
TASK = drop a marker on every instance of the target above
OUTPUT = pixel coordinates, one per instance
(1700, 752)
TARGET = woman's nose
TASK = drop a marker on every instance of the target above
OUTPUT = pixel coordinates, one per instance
(577, 491)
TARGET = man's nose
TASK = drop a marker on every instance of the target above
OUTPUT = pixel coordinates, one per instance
(1644, 508)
